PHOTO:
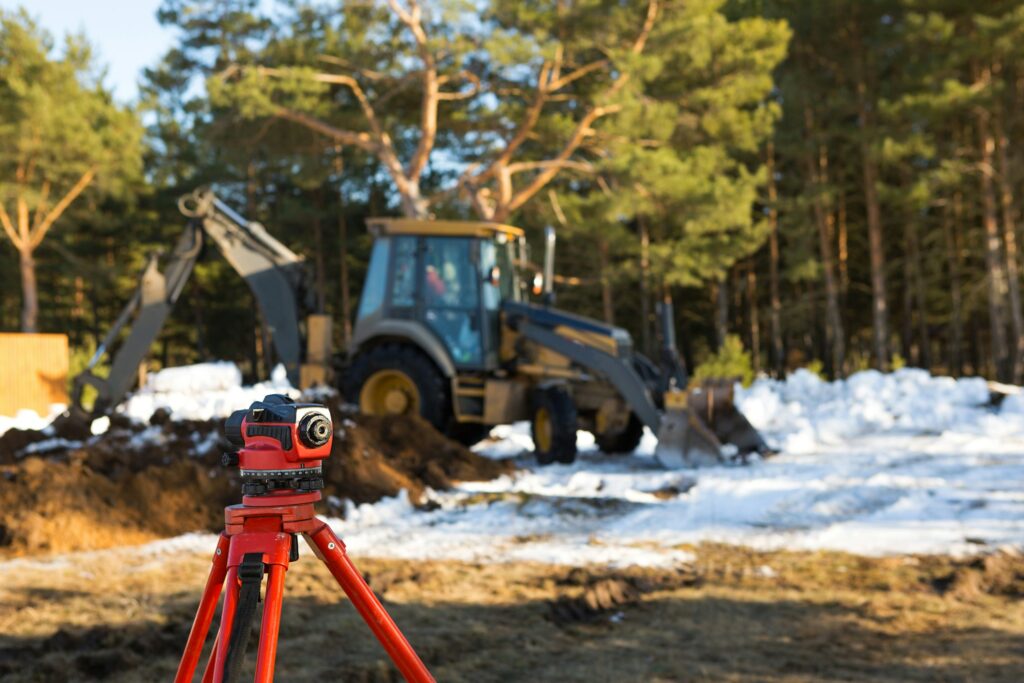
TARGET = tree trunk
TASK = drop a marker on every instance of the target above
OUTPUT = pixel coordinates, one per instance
(994, 262)
(346, 299)
(876, 246)
(778, 354)
(979, 363)
(1012, 269)
(956, 327)
(924, 354)
(318, 246)
(29, 291)
(254, 345)
(721, 292)
(844, 251)
(199, 316)
(606, 285)
(736, 289)
(645, 293)
(817, 169)
(754, 318)
(907, 328)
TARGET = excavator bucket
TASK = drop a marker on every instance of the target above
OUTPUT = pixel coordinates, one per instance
(703, 427)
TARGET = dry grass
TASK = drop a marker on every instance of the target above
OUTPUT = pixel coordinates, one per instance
(736, 615)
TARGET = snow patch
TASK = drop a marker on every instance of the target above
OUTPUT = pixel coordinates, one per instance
(30, 419)
(803, 412)
(205, 391)
(876, 464)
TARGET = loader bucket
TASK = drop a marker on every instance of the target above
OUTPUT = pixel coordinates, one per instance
(703, 427)
(684, 441)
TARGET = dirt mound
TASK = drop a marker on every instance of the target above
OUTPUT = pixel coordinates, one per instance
(417, 456)
(1000, 573)
(141, 482)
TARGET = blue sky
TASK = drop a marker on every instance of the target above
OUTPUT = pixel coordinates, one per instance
(125, 33)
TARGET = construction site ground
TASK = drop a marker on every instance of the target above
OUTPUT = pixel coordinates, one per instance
(883, 542)
(733, 614)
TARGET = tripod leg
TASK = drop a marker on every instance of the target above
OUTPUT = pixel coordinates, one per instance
(227, 618)
(208, 672)
(332, 552)
(270, 625)
(204, 614)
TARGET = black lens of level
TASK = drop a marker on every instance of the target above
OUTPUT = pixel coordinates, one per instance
(315, 430)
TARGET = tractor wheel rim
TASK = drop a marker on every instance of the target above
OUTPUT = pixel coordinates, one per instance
(542, 430)
(389, 392)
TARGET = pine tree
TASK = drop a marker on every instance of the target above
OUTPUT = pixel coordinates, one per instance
(60, 136)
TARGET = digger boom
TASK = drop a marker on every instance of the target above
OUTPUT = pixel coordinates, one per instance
(274, 273)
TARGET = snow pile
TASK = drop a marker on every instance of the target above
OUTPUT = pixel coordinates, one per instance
(876, 464)
(205, 391)
(803, 411)
(1013, 406)
(887, 493)
(30, 419)
(194, 379)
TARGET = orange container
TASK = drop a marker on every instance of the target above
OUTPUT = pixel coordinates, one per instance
(33, 372)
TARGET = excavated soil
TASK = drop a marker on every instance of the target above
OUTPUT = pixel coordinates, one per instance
(63, 490)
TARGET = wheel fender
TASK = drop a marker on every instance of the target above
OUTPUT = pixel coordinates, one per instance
(407, 332)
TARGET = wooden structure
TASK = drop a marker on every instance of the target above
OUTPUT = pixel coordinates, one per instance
(33, 372)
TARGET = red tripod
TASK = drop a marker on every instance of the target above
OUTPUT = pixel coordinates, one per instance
(260, 538)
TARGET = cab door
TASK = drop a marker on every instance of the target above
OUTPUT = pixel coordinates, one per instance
(451, 297)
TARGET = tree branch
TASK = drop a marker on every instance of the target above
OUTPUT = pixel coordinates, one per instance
(361, 139)
(5, 220)
(44, 196)
(645, 32)
(522, 133)
(345, 64)
(524, 166)
(583, 129)
(39, 232)
(577, 74)
(556, 206)
(352, 84)
(474, 90)
(24, 229)
(431, 88)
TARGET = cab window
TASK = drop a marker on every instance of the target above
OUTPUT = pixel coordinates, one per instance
(376, 278)
(403, 281)
(451, 285)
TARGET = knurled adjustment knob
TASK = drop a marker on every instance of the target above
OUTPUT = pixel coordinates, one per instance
(229, 459)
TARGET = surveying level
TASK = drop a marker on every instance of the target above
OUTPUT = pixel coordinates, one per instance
(282, 446)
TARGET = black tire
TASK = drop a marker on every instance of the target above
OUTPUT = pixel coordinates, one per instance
(622, 442)
(553, 425)
(434, 403)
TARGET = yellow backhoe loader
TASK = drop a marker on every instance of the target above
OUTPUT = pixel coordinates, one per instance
(444, 329)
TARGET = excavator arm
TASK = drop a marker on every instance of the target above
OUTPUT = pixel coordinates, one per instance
(274, 273)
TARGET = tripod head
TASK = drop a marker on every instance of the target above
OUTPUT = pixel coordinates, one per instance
(282, 446)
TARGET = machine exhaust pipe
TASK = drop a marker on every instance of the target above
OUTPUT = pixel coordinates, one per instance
(549, 265)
